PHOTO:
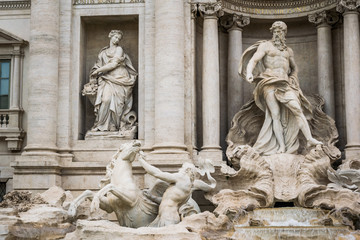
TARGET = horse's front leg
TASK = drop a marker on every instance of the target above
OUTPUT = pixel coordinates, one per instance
(75, 204)
(95, 203)
(123, 195)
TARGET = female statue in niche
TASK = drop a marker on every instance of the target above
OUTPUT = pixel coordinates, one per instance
(112, 79)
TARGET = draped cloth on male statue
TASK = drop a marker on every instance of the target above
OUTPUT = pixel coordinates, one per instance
(286, 90)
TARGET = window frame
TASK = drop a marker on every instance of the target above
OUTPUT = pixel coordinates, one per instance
(4, 60)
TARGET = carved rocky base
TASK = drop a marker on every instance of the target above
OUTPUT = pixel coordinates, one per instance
(307, 181)
(44, 216)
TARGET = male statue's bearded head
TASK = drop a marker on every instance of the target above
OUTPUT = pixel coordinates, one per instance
(279, 30)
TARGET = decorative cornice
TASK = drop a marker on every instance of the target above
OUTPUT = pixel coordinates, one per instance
(234, 21)
(273, 9)
(210, 9)
(323, 18)
(15, 5)
(93, 2)
(348, 5)
(273, 4)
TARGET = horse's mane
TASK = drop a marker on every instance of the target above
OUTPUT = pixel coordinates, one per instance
(109, 168)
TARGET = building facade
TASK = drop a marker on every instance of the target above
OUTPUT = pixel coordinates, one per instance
(186, 54)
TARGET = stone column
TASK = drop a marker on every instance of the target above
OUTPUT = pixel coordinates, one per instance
(43, 76)
(15, 82)
(210, 82)
(323, 21)
(169, 78)
(349, 8)
(38, 168)
(194, 11)
(234, 25)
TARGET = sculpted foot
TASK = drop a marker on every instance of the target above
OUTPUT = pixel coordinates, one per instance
(313, 142)
(281, 149)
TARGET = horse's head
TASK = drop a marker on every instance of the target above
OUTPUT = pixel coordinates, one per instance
(128, 151)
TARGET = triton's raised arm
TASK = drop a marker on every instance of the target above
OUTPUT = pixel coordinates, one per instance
(154, 171)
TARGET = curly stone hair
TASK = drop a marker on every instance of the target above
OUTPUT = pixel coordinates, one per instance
(116, 32)
(279, 24)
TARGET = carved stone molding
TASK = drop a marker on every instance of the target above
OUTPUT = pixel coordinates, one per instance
(15, 5)
(348, 5)
(210, 9)
(93, 2)
(234, 21)
(323, 18)
(263, 9)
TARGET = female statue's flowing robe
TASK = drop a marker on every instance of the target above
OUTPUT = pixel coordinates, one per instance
(114, 97)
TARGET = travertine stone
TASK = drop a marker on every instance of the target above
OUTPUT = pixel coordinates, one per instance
(193, 65)
(149, 83)
(120, 194)
(169, 76)
(43, 76)
(126, 200)
(181, 186)
(110, 90)
(351, 75)
(210, 77)
(271, 66)
(247, 123)
(55, 196)
(64, 90)
(93, 230)
(15, 82)
(234, 25)
(323, 21)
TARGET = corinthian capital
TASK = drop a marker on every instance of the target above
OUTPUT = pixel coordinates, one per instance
(324, 17)
(210, 9)
(194, 10)
(348, 5)
(234, 21)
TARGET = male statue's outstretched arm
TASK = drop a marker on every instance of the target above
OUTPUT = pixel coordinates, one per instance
(259, 54)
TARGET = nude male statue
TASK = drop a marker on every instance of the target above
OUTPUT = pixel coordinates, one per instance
(182, 184)
(272, 67)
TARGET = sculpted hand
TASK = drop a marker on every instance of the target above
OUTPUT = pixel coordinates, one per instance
(250, 77)
(94, 73)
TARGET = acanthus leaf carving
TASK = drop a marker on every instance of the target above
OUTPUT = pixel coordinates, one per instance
(348, 5)
(234, 21)
(324, 17)
(211, 9)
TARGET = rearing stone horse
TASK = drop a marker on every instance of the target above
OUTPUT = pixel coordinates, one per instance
(119, 192)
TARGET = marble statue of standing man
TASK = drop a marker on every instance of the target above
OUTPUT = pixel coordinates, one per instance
(114, 78)
(271, 65)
